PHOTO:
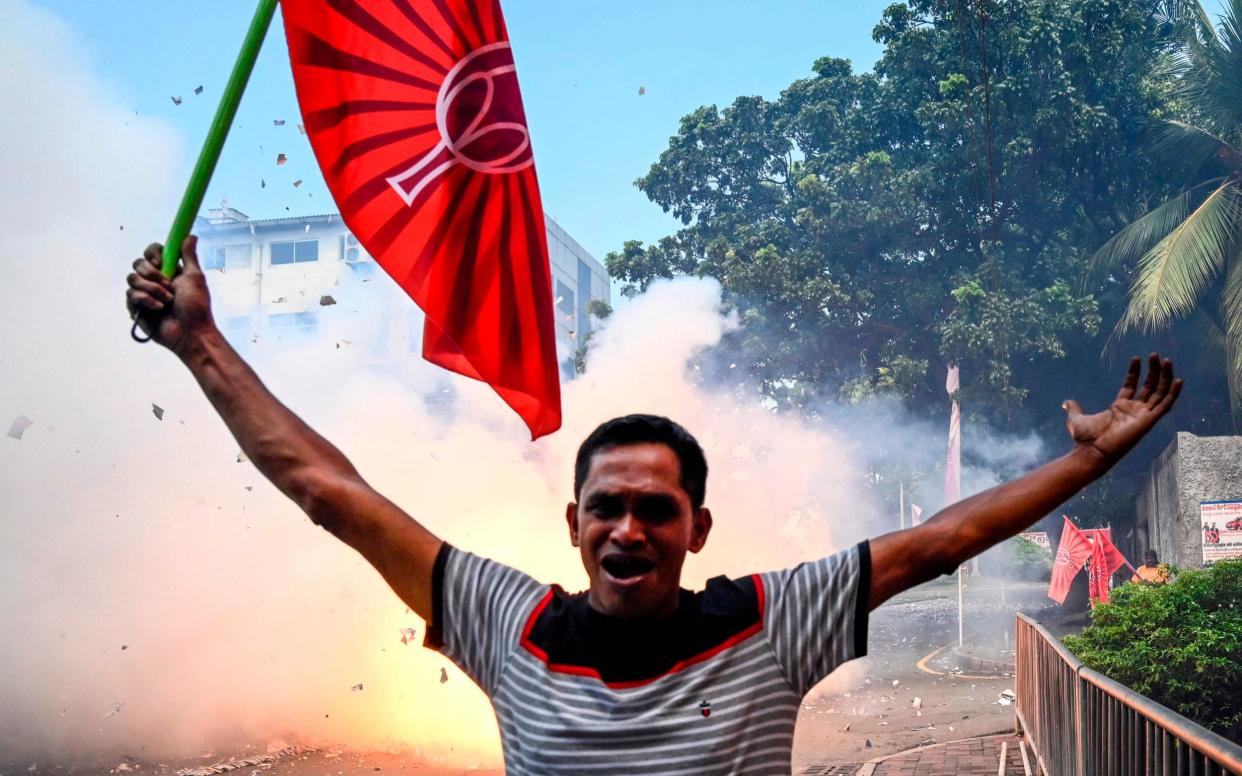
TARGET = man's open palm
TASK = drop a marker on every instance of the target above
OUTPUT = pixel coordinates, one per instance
(1111, 433)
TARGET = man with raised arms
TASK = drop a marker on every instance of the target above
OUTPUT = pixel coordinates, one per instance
(636, 675)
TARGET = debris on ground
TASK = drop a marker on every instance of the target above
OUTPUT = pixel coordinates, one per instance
(263, 761)
(116, 709)
(1006, 698)
(917, 702)
(19, 426)
(158, 411)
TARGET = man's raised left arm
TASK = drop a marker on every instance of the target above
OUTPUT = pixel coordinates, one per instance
(903, 559)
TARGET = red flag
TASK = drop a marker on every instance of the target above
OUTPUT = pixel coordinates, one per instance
(1072, 551)
(1097, 572)
(1113, 559)
(413, 110)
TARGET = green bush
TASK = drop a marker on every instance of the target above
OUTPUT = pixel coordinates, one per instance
(1179, 644)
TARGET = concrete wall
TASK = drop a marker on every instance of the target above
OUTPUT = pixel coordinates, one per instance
(1190, 470)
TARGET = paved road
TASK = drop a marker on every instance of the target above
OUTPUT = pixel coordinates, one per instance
(839, 719)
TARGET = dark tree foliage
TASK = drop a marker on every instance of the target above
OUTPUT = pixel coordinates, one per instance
(872, 227)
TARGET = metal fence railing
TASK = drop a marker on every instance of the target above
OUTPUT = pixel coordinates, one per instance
(1081, 723)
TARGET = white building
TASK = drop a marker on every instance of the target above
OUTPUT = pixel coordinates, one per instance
(272, 274)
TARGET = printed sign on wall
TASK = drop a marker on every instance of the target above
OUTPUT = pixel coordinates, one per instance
(1222, 529)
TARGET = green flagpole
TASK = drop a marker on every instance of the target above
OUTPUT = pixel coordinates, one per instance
(192, 200)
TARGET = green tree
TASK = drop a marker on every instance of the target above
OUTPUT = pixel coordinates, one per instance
(871, 227)
(1186, 253)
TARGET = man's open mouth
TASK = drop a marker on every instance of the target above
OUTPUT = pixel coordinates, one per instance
(626, 566)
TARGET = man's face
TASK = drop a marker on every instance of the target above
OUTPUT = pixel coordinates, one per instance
(633, 525)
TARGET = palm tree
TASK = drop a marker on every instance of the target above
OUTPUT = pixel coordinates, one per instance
(1189, 249)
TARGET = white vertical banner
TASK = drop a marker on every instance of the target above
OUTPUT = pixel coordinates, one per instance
(916, 515)
(953, 461)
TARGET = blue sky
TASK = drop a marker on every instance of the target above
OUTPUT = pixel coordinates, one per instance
(580, 65)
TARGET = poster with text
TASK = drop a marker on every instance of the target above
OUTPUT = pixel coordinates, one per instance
(1039, 537)
(1221, 529)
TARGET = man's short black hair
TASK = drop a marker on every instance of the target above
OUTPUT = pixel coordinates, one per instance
(1150, 555)
(637, 429)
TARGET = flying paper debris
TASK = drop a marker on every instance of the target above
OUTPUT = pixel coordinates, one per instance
(302, 129)
(198, 90)
(326, 300)
(357, 687)
(158, 411)
(281, 159)
(19, 426)
(262, 183)
(278, 122)
(176, 100)
(642, 90)
(297, 183)
(407, 635)
(443, 676)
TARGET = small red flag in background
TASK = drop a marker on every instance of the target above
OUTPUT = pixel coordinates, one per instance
(413, 110)
(1113, 559)
(1097, 573)
(1072, 551)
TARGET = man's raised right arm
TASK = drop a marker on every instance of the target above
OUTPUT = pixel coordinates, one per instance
(302, 464)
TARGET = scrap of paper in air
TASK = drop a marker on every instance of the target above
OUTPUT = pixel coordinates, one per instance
(19, 426)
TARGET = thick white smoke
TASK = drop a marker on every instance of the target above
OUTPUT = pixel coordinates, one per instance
(157, 597)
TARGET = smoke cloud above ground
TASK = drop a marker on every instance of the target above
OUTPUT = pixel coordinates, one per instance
(158, 598)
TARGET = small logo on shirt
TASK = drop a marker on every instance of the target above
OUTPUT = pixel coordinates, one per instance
(705, 708)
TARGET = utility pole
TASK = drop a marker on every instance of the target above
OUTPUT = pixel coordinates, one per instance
(959, 604)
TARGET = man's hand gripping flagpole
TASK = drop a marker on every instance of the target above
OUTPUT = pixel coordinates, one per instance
(192, 200)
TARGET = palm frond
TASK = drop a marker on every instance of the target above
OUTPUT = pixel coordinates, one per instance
(1138, 237)
(1211, 83)
(1173, 274)
(1231, 307)
(1187, 144)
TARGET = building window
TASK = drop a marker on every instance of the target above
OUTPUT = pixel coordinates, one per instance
(295, 252)
(584, 296)
(304, 323)
(213, 260)
(564, 298)
(237, 256)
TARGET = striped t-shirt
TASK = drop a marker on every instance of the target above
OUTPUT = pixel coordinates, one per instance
(712, 689)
